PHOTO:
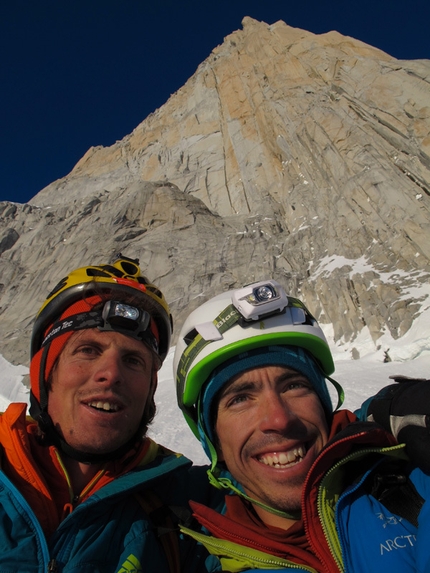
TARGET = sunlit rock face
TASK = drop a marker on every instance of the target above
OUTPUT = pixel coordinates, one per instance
(290, 155)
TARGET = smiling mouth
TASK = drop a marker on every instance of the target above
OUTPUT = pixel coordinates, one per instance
(283, 459)
(104, 406)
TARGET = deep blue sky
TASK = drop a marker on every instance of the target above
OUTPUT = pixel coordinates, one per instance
(77, 73)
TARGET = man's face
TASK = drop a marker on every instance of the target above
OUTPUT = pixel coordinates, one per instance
(100, 387)
(270, 427)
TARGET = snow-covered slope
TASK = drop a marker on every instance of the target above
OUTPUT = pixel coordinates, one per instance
(11, 387)
(360, 379)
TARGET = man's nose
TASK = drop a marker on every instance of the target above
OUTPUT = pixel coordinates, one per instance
(275, 413)
(109, 368)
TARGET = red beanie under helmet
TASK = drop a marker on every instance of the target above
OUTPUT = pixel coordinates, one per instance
(57, 344)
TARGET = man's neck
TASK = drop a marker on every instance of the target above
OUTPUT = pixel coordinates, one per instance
(273, 520)
(80, 474)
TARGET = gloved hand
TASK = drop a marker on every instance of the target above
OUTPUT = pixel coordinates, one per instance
(404, 410)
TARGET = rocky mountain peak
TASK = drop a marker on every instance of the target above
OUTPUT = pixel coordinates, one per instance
(291, 155)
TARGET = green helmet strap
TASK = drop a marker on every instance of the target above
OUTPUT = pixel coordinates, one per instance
(339, 390)
(223, 322)
(226, 483)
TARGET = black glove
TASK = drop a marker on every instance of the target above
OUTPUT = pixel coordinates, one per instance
(404, 410)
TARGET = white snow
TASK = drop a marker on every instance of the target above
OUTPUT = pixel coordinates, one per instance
(361, 266)
(12, 388)
(360, 379)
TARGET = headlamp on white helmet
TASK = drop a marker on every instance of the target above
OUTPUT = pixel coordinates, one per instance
(255, 316)
(258, 300)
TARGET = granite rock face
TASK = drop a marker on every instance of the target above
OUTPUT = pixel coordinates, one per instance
(290, 155)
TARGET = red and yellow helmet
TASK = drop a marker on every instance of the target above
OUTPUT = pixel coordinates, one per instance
(121, 278)
(112, 297)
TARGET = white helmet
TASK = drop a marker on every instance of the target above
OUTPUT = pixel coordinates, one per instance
(255, 316)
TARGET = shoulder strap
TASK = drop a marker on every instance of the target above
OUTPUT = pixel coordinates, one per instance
(160, 515)
(394, 489)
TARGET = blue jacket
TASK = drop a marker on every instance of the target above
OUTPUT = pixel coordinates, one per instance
(110, 531)
(346, 522)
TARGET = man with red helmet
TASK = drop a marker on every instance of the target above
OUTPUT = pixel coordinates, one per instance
(80, 481)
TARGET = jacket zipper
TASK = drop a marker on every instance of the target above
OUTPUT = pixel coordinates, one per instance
(305, 523)
(333, 539)
(213, 543)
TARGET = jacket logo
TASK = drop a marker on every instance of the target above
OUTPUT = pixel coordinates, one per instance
(399, 542)
(131, 565)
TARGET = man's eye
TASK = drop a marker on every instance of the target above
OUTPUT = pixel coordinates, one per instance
(135, 361)
(239, 399)
(297, 387)
(86, 350)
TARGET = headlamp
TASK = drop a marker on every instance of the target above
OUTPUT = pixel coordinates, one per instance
(129, 320)
(260, 299)
(116, 317)
(124, 316)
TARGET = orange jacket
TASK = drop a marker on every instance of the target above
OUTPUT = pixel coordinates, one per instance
(39, 473)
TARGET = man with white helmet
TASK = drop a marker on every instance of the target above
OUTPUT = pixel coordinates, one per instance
(82, 488)
(307, 489)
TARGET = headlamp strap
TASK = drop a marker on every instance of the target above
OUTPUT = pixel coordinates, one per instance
(138, 328)
(223, 322)
(80, 321)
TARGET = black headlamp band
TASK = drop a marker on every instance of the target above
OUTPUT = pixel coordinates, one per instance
(138, 329)
(92, 319)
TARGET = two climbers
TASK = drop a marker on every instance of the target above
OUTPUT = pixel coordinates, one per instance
(81, 483)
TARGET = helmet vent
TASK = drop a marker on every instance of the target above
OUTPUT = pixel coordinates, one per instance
(188, 338)
(58, 287)
(93, 272)
(112, 271)
(154, 290)
(130, 268)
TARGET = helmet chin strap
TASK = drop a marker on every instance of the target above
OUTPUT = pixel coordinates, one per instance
(215, 478)
(226, 483)
(39, 412)
(47, 427)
